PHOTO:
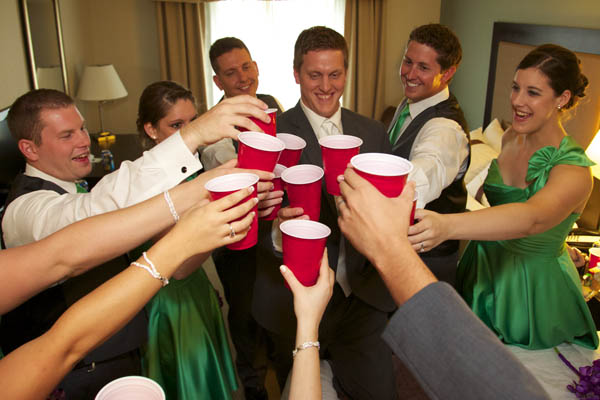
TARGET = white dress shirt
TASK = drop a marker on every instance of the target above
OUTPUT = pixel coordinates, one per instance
(439, 152)
(38, 214)
(217, 153)
(324, 126)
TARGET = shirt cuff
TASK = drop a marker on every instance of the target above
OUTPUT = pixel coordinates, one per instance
(174, 153)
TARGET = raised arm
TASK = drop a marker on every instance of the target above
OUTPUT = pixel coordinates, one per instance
(309, 306)
(566, 191)
(433, 331)
(34, 369)
(220, 121)
(97, 239)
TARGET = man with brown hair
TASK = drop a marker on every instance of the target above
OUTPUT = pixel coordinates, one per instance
(357, 314)
(430, 130)
(236, 73)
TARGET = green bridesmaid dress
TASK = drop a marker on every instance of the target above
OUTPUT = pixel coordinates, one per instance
(528, 290)
(188, 351)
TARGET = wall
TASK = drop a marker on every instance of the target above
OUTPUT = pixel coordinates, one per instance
(14, 75)
(116, 32)
(473, 20)
(402, 16)
(122, 33)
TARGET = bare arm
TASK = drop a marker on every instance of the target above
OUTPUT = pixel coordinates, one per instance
(309, 306)
(99, 238)
(566, 191)
(34, 369)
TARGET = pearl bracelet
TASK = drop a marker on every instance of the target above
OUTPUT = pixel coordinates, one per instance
(171, 206)
(151, 270)
(304, 346)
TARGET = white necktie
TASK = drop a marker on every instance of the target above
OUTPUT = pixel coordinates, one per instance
(330, 128)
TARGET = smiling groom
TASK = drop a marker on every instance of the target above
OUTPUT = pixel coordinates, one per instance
(358, 311)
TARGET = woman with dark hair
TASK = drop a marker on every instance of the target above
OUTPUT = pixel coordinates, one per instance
(188, 350)
(516, 273)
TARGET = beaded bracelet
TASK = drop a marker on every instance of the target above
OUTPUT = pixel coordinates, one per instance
(151, 270)
(171, 206)
(304, 346)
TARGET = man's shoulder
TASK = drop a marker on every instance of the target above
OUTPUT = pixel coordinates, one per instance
(293, 114)
(269, 101)
(264, 97)
(361, 120)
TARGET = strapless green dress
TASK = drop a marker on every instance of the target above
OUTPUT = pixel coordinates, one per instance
(527, 290)
(188, 351)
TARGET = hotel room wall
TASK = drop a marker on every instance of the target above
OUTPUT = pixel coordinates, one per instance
(473, 21)
(124, 33)
(401, 17)
(14, 78)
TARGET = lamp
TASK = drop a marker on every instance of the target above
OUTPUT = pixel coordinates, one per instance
(590, 217)
(593, 152)
(100, 83)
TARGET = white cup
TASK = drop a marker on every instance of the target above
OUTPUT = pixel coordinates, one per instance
(131, 388)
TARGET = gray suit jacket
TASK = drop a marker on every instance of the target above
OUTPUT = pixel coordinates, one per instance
(273, 303)
(452, 353)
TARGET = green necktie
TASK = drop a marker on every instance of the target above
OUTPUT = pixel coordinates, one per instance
(399, 122)
(81, 186)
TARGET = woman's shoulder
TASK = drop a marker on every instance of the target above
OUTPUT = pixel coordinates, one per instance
(568, 152)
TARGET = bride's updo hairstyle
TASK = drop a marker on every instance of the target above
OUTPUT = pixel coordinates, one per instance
(562, 67)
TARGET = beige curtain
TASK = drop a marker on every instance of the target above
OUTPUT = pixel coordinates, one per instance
(364, 32)
(180, 37)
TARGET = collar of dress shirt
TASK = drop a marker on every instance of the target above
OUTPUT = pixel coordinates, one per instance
(30, 170)
(420, 106)
(316, 121)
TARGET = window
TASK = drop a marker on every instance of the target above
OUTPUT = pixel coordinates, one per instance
(269, 29)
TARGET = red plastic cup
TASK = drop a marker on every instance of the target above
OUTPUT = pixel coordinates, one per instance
(303, 244)
(337, 150)
(223, 185)
(594, 257)
(268, 128)
(386, 172)
(303, 185)
(277, 185)
(293, 149)
(258, 151)
(131, 388)
(414, 208)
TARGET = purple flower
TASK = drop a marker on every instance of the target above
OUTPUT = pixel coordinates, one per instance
(588, 386)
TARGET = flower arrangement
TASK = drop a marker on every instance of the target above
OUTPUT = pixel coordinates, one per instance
(588, 386)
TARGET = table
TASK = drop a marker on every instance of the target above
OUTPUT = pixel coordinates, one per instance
(550, 371)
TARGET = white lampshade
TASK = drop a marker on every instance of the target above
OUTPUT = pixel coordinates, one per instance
(99, 83)
(593, 152)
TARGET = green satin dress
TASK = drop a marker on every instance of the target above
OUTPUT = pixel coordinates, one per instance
(188, 351)
(527, 290)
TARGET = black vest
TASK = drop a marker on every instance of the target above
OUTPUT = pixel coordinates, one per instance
(34, 317)
(453, 198)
